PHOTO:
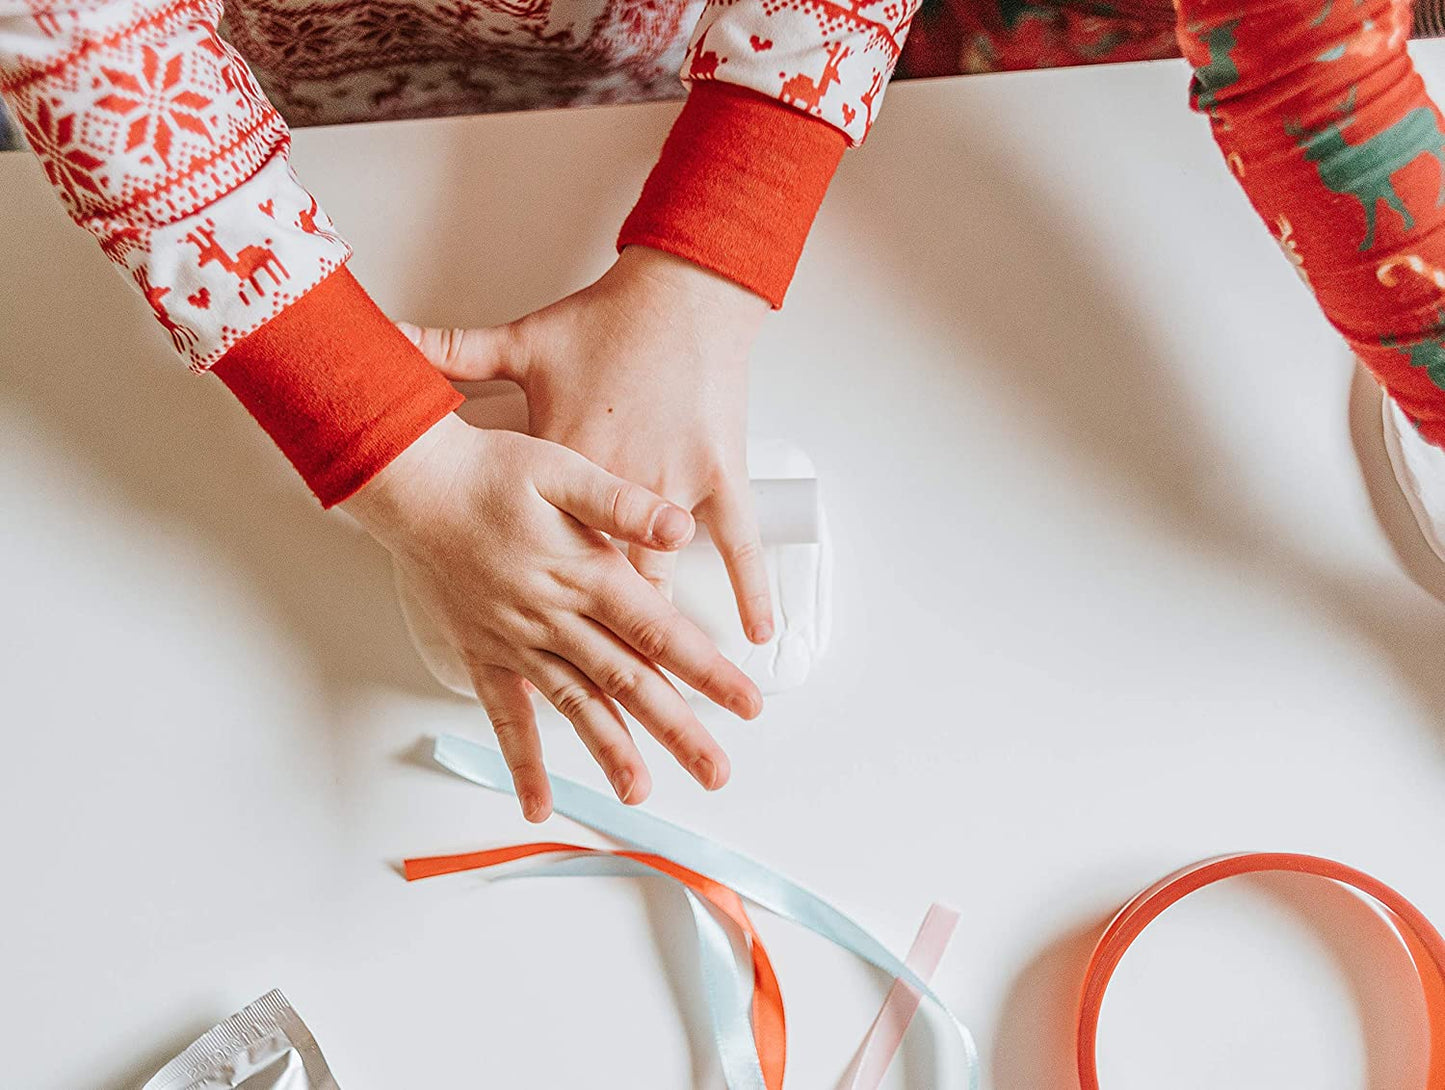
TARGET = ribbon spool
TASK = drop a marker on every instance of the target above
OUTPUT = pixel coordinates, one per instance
(724, 878)
(1422, 942)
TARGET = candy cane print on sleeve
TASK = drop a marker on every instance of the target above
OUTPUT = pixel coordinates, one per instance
(1332, 135)
(160, 144)
(828, 59)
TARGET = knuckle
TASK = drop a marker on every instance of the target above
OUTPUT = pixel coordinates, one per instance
(708, 680)
(479, 658)
(745, 553)
(674, 737)
(652, 637)
(623, 502)
(527, 772)
(612, 756)
(614, 501)
(714, 675)
(531, 622)
(622, 682)
(510, 730)
(451, 343)
(573, 700)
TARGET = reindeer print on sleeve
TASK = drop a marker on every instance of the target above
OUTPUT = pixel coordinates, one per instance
(827, 58)
(1366, 170)
(1322, 117)
(160, 144)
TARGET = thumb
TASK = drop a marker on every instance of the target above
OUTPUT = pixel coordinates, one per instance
(618, 508)
(465, 355)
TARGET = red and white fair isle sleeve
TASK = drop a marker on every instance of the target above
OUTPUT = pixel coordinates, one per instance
(779, 88)
(159, 143)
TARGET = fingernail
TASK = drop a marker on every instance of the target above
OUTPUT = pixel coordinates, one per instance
(670, 525)
(705, 771)
(762, 631)
(532, 807)
(622, 781)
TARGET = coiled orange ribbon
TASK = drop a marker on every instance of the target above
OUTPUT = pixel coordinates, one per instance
(1422, 942)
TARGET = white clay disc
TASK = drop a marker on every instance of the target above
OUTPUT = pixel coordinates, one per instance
(798, 555)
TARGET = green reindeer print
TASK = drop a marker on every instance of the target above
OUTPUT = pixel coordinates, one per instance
(1364, 170)
(1429, 353)
(1220, 72)
(1013, 12)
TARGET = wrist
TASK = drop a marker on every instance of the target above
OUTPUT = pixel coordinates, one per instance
(736, 188)
(680, 294)
(693, 283)
(393, 501)
(337, 387)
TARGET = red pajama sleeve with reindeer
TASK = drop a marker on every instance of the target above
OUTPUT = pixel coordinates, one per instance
(1323, 119)
(778, 90)
(161, 145)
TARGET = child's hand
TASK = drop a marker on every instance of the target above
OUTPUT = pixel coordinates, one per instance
(497, 534)
(644, 372)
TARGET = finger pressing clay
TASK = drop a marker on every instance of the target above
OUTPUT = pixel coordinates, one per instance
(799, 561)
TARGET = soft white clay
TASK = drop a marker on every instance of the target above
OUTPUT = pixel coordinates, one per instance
(795, 547)
(1420, 470)
(799, 560)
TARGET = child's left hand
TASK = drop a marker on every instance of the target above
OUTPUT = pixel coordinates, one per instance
(645, 373)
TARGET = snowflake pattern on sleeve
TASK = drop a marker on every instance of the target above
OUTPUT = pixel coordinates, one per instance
(160, 143)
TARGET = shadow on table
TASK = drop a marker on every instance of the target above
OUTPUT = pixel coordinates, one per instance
(1388, 502)
(1118, 413)
(173, 450)
(178, 451)
(1035, 1044)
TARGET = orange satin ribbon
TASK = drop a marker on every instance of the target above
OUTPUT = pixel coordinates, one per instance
(1422, 941)
(769, 1029)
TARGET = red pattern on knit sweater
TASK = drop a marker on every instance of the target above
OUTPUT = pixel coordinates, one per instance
(825, 58)
(151, 127)
(365, 59)
(160, 143)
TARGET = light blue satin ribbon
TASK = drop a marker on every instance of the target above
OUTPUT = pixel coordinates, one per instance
(485, 767)
(727, 979)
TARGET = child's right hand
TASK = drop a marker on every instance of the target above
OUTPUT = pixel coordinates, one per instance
(497, 533)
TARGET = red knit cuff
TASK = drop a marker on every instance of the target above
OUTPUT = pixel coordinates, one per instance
(337, 386)
(739, 182)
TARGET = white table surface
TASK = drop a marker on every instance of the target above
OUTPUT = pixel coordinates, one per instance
(1122, 583)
